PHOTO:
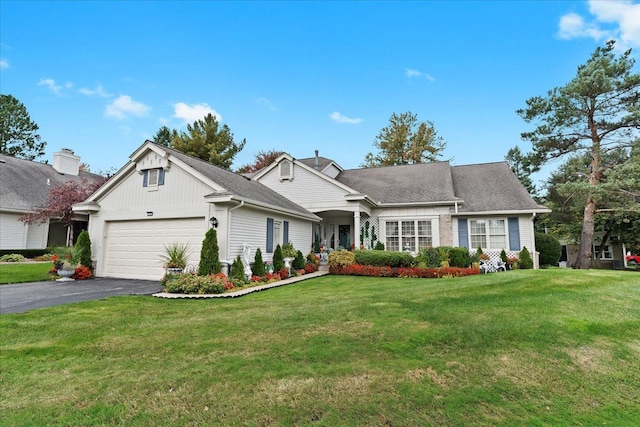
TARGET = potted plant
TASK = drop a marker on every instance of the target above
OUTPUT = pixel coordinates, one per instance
(288, 254)
(175, 257)
(65, 262)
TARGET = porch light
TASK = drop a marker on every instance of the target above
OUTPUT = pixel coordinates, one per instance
(214, 222)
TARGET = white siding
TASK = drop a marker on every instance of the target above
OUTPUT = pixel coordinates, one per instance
(12, 231)
(527, 237)
(250, 226)
(182, 196)
(307, 189)
(37, 235)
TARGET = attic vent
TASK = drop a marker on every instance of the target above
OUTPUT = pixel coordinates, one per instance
(286, 170)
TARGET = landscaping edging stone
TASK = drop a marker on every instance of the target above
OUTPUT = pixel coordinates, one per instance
(242, 292)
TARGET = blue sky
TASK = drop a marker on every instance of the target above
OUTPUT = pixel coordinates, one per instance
(101, 77)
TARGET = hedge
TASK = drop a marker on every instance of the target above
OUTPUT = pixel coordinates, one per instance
(27, 253)
(383, 258)
(413, 272)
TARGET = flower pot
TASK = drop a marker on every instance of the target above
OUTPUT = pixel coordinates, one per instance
(65, 275)
(287, 262)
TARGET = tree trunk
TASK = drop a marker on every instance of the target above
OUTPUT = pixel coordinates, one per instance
(586, 237)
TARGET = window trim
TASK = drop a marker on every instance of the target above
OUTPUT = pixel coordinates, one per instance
(399, 235)
(487, 233)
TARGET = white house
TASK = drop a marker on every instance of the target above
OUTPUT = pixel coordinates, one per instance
(162, 196)
(24, 188)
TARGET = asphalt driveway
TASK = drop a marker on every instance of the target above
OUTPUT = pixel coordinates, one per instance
(23, 297)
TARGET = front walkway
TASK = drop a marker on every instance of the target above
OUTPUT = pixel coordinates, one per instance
(321, 272)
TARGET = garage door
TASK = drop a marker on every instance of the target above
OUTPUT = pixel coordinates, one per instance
(133, 249)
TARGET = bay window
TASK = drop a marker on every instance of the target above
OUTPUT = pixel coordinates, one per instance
(411, 235)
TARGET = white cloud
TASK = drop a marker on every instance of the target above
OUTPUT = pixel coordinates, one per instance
(4, 64)
(614, 19)
(191, 113)
(53, 87)
(410, 72)
(98, 91)
(339, 118)
(123, 106)
(51, 84)
(266, 103)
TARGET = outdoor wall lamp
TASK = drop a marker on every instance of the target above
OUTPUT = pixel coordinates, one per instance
(214, 222)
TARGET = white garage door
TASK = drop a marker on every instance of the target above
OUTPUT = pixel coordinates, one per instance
(133, 249)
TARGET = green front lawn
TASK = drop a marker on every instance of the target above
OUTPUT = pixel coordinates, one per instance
(24, 272)
(549, 347)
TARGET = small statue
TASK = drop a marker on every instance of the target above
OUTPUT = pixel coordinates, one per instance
(246, 260)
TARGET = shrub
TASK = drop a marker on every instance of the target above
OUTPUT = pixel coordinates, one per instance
(258, 264)
(192, 284)
(503, 256)
(341, 258)
(379, 246)
(83, 249)
(430, 257)
(459, 257)
(82, 273)
(384, 258)
(12, 258)
(283, 273)
(27, 253)
(310, 268)
(549, 247)
(210, 254)
(313, 258)
(525, 258)
(383, 271)
(298, 262)
(278, 259)
(237, 270)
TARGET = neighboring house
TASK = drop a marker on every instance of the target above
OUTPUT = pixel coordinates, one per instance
(612, 257)
(163, 196)
(24, 187)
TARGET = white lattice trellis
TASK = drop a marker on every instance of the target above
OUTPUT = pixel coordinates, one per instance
(369, 232)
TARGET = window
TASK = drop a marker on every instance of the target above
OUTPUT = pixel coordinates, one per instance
(393, 238)
(488, 234)
(153, 178)
(410, 235)
(425, 237)
(607, 253)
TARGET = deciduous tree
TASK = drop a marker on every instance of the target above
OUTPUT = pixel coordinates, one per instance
(209, 141)
(18, 133)
(262, 160)
(597, 111)
(406, 141)
(60, 200)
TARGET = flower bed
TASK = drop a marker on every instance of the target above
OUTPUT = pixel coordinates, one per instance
(220, 283)
(414, 272)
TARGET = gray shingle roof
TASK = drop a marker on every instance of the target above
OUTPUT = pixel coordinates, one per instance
(426, 183)
(237, 184)
(490, 187)
(23, 183)
(323, 162)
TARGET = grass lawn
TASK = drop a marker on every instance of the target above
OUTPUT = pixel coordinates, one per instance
(549, 347)
(24, 272)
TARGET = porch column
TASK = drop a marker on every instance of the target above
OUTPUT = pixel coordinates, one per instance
(356, 230)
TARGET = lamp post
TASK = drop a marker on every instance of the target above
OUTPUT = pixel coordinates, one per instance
(214, 221)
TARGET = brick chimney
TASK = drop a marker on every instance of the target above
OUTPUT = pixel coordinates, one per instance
(65, 162)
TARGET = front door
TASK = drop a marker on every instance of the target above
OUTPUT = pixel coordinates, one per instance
(344, 236)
